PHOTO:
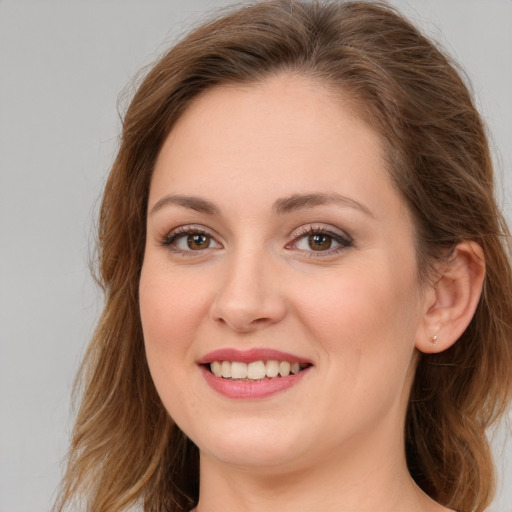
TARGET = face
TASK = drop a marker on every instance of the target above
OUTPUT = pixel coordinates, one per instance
(279, 294)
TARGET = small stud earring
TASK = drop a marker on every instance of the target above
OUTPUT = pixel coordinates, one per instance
(433, 339)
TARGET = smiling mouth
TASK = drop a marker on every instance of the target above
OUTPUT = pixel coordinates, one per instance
(256, 370)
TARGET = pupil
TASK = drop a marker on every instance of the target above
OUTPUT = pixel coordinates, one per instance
(197, 241)
(319, 242)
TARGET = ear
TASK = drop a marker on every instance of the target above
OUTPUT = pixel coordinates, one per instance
(452, 301)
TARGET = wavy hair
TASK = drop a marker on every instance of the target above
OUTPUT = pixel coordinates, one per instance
(125, 449)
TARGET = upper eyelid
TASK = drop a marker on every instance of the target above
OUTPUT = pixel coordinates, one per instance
(188, 229)
(170, 241)
(295, 235)
(341, 237)
(319, 228)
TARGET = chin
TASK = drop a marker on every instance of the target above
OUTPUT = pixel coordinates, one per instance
(250, 444)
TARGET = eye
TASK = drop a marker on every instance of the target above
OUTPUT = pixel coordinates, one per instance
(320, 240)
(316, 242)
(194, 242)
(190, 239)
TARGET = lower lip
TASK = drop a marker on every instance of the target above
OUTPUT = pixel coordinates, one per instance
(251, 390)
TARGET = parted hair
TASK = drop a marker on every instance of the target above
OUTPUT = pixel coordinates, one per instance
(125, 449)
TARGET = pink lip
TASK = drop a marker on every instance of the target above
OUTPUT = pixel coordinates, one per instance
(246, 389)
(249, 356)
(251, 390)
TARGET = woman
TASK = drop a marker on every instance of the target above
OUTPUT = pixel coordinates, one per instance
(306, 277)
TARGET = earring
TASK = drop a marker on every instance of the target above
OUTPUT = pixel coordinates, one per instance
(433, 339)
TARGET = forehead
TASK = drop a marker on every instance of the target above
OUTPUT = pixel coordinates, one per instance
(283, 121)
(282, 136)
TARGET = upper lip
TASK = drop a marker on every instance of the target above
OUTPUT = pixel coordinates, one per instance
(251, 355)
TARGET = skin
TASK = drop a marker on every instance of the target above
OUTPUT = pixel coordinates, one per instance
(334, 441)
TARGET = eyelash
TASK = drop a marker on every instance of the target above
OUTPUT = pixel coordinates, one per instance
(183, 231)
(344, 241)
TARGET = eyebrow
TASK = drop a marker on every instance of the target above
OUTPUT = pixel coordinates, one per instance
(191, 202)
(281, 206)
(301, 201)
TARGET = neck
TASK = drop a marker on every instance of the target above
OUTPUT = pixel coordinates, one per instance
(361, 479)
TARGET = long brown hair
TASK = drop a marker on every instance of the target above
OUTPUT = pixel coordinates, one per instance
(125, 449)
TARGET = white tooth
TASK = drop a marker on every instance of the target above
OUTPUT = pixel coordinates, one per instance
(295, 367)
(216, 368)
(256, 370)
(272, 368)
(238, 370)
(226, 369)
(284, 368)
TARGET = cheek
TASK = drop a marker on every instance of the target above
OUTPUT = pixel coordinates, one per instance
(365, 315)
(363, 322)
(172, 307)
(172, 311)
(360, 299)
(170, 318)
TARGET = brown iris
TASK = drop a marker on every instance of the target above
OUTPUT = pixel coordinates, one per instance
(319, 242)
(198, 241)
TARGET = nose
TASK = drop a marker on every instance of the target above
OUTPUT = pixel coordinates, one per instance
(250, 295)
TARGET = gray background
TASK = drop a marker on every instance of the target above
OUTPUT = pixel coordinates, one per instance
(62, 68)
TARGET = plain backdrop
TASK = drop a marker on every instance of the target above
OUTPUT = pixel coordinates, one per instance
(63, 65)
